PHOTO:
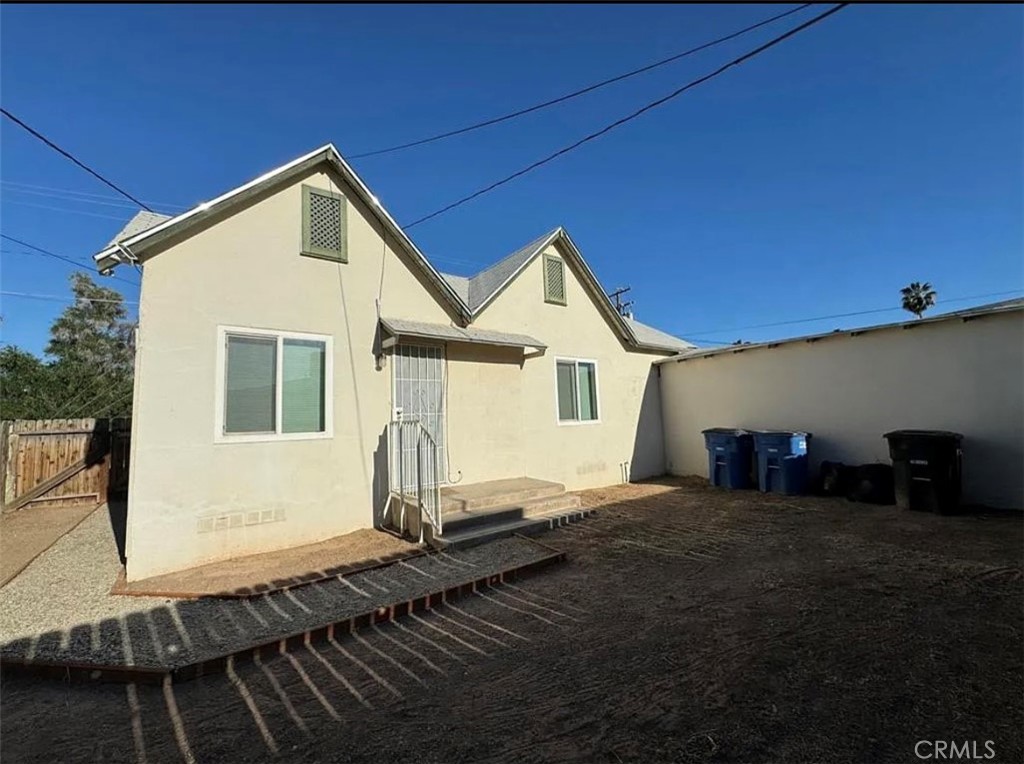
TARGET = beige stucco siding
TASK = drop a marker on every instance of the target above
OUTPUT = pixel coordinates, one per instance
(246, 271)
(578, 455)
(967, 377)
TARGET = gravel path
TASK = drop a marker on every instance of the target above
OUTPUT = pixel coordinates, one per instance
(60, 608)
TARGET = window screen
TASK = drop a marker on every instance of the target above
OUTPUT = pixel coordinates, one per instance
(250, 381)
(554, 280)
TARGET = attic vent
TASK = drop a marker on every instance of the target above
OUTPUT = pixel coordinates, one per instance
(554, 280)
(323, 224)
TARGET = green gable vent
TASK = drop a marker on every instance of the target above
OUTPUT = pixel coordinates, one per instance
(324, 232)
(554, 280)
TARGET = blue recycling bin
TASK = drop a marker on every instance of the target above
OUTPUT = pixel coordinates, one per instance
(729, 457)
(781, 461)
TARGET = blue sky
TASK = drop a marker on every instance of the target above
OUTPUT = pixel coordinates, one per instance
(881, 146)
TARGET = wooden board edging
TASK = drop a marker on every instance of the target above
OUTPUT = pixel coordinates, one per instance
(77, 671)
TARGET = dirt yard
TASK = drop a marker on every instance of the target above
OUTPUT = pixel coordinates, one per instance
(689, 625)
(27, 533)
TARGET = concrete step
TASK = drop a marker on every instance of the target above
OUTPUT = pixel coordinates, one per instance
(458, 521)
(527, 526)
(496, 493)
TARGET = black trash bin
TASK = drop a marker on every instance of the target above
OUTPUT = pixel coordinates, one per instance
(926, 466)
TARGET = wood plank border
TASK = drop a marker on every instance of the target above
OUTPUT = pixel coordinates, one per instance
(77, 671)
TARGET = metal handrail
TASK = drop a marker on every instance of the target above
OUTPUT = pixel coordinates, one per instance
(413, 470)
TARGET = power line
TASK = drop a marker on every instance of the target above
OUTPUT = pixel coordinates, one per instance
(66, 210)
(735, 62)
(58, 298)
(48, 253)
(844, 315)
(71, 192)
(71, 196)
(78, 162)
(581, 91)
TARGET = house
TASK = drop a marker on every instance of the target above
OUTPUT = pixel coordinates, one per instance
(288, 327)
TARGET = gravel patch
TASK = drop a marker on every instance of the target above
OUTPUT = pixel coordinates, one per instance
(82, 622)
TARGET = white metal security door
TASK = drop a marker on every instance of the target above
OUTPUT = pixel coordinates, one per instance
(419, 392)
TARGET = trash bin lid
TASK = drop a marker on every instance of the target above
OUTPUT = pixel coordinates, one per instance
(938, 434)
(724, 431)
(780, 433)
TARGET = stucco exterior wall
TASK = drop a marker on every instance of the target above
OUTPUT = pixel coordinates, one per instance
(246, 271)
(967, 377)
(628, 434)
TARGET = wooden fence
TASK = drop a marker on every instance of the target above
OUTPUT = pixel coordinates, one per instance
(63, 462)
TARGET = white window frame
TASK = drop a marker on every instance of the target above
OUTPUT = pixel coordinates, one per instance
(597, 391)
(219, 436)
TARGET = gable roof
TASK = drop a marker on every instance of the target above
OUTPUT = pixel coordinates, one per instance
(135, 245)
(467, 296)
(486, 285)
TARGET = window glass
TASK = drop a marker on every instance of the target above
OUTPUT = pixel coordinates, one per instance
(302, 394)
(566, 390)
(250, 382)
(588, 391)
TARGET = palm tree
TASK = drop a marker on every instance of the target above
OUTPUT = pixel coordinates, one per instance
(918, 297)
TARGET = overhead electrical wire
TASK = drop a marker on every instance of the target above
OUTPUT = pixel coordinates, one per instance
(619, 122)
(48, 253)
(843, 315)
(59, 298)
(581, 91)
(72, 157)
(70, 195)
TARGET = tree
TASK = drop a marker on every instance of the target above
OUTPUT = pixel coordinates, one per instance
(918, 297)
(27, 386)
(90, 367)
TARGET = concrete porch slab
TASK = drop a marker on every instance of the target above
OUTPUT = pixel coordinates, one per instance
(495, 493)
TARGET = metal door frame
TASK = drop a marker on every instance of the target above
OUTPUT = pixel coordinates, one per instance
(442, 436)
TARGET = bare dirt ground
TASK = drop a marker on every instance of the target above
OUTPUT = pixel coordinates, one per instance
(689, 625)
(276, 570)
(29, 532)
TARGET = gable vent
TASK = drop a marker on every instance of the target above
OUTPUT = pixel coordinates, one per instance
(554, 280)
(323, 224)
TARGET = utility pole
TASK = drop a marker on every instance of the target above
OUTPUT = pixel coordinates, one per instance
(620, 305)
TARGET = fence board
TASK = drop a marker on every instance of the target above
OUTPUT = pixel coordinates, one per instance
(35, 451)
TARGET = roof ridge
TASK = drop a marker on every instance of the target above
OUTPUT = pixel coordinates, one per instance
(518, 251)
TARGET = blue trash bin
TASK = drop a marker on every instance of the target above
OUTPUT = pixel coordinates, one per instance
(729, 457)
(781, 461)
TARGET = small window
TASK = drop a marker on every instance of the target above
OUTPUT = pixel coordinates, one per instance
(324, 232)
(554, 280)
(275, 386)
(577, 391)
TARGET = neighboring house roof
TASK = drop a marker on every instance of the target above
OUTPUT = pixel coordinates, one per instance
(652, 337)
(400, 327)
(992, 308)
(466, 296)
(142, 221)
